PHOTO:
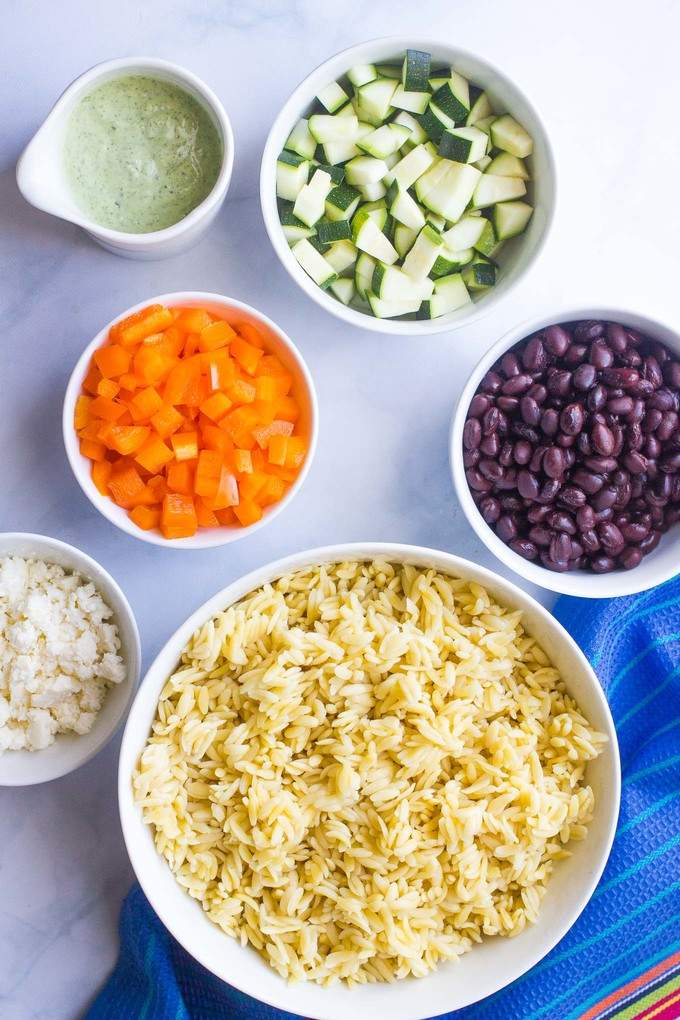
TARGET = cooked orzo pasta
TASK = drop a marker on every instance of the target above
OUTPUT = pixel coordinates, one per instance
(364, 768)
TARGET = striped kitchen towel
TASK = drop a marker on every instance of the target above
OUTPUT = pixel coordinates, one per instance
(621, 959)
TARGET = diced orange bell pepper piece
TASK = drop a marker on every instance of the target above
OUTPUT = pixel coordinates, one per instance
(227, 493)
(193, 320)
(216, 406)
(241, 419)
(205, 515)
(145, 403)
(129, 382)
(185, 445)
(243, 462)
(241, 392)
(166, 421)
(112, 361)
(276, 450)
(266, 388)
(288, 409)
(153, 454)
(158, 486)
(248, 512)
(215, 335)
(104, 407)
(101, 472)
(126, 487)
(247, 356)
(272, 491)
(266, 411)
(180, 379)
(208, 472)
(251, 334)
(93, 450)
(81, 414)
(92, 379)
(180, 478)
(214, 438)
(129, 333)
(91, 430)
(124, 439)
(296, 452)
(277, 428)
(152, 364)
(178, 516)
(220, 369)
(108, 388)
(271, 365)
(225, 517)
(145, 517)
(252, 484)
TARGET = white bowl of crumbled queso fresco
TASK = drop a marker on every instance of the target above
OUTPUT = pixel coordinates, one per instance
(352, 766)
(69, 658)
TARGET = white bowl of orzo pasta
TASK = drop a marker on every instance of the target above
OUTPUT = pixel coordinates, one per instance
(351, 774)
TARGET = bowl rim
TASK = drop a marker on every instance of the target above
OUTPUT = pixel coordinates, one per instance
(579, 583)
(132, 823)
(87, 565)
(86, 81)
(106, 506)
(291, 111)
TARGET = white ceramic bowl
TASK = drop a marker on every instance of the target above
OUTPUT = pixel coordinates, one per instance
(452, 986)
(40, 172)
(659, 566)
(70, 751)
(277, 342)
(517, 255)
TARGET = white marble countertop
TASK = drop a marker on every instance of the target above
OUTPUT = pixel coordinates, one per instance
(605, 76)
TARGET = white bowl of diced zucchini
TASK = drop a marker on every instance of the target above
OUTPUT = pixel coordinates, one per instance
(407, 186)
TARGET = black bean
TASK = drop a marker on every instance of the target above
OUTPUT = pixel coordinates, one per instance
(635, 462)
(588, 481)
(557, 340)
(671, 374)
(510, 365)
(528, 484)
(530, 410)
(491, 421)
(472, 434)
(670, 463)
(478, 405)
(507, 404)
(650, 542)
(523, 547)
(490, 445)
(490, 509)
(585, 518)
(560, 520)
(505, 457)
(538, 392)
(553, 462)
(662, 400)
(601, 356)
(471, 458)
(560, 547)
(652, 419)
(491, 383)
(537, 514)
(549, 490)
(522, 452)
(575, 354)
(478, 481)
(611, 539)
(506, 528)
(524, 431)
(491, 469)
(573, 497)
(590, 541)
(630, 558)
(534, 357)
(550, 422)
(559, 382)
(617, 337)
(634, 437)
(564, 440)
(603, 440)
(602, 564)
(585, 376)
(667, 425)
(540, 535)
(589, 329)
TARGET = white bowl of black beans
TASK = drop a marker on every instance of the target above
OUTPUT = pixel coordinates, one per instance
(565, 451)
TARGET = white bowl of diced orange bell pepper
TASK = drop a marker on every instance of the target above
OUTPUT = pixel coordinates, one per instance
(190, 420)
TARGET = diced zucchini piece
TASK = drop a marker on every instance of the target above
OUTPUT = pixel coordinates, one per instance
(293, 228)
(435, 122)
(483, 164)
(314, 264)
(390, 162)
(319, 245)
(451, 193)
(301, 141)
(372, 192)
(339, 152)
(416, 70)
(417, 134)
(505, 165)
(438, 222)
(465, 233)
(451, 261)
(393, 284)
(406, 210)
(404, 239)
(385, 140)
(361, 74)
(464, 145)
(389, 70)
(412, 166)
(343, 290)
(363, 273)
(374, 98)
(342, 202)
(341, 255)
(311, 202)
(333, 230)
(480, 275)
(365, 170)
(326, 128)
(370, 211)
(491, 189)
(336, 173)
(291, 175)
(391, 309)
(332, 97)
(510, 218)
(481, 107)
(370, 238)
(487, 243)
(439, 79)
(450, 293)
(414, 102)
(453, 98)
(423, 254)
(484, 123)
(510, 136)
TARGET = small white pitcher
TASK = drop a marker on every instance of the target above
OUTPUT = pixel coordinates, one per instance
(40, 170)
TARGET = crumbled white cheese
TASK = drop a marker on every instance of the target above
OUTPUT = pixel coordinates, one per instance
(58, 653)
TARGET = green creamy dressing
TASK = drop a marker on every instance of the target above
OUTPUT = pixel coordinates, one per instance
(140, 154)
